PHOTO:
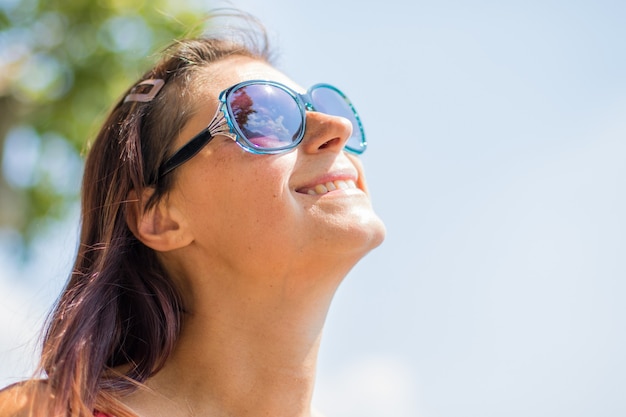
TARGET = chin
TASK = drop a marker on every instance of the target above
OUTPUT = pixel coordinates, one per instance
(365, 234)
(376, 232)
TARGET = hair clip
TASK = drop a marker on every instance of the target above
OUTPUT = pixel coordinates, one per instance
(144, 97)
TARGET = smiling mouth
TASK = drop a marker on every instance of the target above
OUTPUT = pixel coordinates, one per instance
(320, 189)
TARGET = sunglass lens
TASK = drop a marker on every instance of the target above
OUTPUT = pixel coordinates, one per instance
(267, 117)
(329, 100)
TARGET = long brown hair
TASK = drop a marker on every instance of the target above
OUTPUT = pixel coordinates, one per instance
(119, 309)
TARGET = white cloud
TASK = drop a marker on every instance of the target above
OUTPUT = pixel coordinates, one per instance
(372, 386)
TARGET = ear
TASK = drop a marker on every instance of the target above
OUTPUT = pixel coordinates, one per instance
(162, 227)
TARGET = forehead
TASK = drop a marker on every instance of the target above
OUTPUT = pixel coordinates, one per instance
(232, 70)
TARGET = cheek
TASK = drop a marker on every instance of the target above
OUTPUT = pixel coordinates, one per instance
(240, 203)
(266, 203)
(362, 184)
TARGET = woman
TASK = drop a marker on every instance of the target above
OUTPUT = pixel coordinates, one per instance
(222, 206)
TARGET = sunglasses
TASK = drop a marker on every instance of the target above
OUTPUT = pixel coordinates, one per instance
(266, 117)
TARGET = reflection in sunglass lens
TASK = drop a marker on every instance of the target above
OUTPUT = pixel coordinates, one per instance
(330, 101)
(266, 116)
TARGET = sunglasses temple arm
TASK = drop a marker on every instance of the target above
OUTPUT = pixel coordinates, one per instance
(218, 126)
(186, 152)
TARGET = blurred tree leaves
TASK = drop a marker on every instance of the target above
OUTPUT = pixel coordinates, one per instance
(62, 65)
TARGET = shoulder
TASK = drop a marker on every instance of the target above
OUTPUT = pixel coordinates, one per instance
(17, 400)
(14, 400)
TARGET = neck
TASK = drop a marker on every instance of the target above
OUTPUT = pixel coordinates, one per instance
(247, 351)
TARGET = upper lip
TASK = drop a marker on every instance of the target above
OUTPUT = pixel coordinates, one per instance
(335, 175)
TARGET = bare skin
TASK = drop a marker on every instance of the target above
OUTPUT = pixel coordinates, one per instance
(256, 259)
(258, 279)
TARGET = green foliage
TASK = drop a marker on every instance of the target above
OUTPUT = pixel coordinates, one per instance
(62, 65)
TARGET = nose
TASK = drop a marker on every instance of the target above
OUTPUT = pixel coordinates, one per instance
(325, 132)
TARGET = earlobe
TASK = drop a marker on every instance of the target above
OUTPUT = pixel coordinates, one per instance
(161, 227)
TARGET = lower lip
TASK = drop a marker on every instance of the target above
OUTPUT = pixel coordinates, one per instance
(337, 192)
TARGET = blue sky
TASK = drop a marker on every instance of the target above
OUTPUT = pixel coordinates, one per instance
(497, 139)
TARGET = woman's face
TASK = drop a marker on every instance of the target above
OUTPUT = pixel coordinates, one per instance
(261, 214)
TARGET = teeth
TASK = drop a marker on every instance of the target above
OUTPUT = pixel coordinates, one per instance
(320, 189)
(342, 185)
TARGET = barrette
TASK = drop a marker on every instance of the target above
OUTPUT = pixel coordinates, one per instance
(144, 97)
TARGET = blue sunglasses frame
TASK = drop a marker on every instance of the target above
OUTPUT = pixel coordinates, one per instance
(224, 123)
